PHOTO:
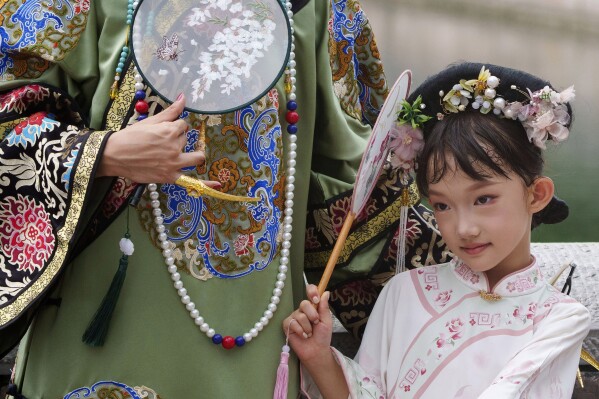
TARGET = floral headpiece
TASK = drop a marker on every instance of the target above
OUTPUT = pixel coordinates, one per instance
(544, 114)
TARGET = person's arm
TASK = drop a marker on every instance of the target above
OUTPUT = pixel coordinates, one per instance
(548, 363)
(309, 330)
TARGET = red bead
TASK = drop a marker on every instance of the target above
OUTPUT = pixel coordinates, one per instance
(228, 342)
(292, 117)
(142, 107)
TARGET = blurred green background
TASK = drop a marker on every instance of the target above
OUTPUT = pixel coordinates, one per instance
(557, 40)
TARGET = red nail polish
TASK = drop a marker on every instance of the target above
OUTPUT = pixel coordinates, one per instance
(179, 96)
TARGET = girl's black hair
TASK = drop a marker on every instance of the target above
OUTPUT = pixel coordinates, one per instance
(480, 144)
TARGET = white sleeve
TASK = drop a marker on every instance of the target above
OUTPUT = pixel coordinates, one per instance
(366, 375)
(546, 367)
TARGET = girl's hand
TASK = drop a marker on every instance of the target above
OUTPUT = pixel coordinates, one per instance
(150, 151)
(310, 327)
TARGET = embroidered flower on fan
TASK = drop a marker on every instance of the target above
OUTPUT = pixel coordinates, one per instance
(246, 36)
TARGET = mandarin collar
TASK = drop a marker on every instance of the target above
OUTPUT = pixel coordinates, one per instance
(521, 282)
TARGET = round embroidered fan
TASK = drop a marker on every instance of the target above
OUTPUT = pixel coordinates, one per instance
(222, 54)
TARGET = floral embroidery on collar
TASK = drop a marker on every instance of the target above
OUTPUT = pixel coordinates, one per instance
(518, 283)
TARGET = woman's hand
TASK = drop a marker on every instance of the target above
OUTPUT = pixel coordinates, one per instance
(310, 327)
(150, 151)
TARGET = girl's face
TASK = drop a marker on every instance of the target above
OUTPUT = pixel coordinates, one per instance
(485, 223)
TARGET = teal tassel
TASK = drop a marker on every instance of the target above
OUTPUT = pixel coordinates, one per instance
(96, 332)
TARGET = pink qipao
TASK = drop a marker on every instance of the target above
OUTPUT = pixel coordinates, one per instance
(432, 335)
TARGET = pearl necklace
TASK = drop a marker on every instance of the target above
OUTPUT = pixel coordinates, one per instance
(292, 118)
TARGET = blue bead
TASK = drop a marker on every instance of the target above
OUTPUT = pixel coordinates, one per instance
(129, 21)
(141, 117)
(239, 341)
(292, 129)
(121, 64)
(125, 49)
(119, 70)
(291, 105)
(140, 95)
(217, 339)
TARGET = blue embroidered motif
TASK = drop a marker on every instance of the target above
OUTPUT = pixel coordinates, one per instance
(30, 133)
(91, 392)
(347, 29)
(33, 17)
(188, 213)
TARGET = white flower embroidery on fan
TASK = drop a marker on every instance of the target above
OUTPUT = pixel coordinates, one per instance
(246, 36)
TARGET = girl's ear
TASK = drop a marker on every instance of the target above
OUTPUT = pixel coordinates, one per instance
(540, 193)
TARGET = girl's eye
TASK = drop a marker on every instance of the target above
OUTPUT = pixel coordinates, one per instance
(439, 206)
(484, 200)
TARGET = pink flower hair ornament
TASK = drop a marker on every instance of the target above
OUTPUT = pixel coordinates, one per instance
(544, 114)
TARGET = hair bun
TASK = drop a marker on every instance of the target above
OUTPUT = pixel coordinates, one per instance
(556, 211)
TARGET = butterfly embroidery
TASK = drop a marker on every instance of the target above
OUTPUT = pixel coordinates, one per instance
(169, 49)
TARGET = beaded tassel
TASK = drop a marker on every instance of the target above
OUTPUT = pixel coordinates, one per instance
(114, 88)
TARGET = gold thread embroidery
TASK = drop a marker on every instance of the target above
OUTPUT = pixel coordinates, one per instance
(367, 231)
(80, 184)
(120, 105)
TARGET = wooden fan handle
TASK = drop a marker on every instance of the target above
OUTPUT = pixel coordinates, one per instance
(326, 275)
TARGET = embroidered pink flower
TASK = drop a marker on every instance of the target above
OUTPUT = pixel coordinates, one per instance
(474, 279)
(242, 243)
(511, 287)
(441, 341)
(516, 312)
(443, 297)
(81, 6)
(26, 235)
(455, 327)
(34, 120)
(532, 309)
(18, 99)
(406, 143)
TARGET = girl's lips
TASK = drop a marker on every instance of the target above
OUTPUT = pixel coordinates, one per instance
(475, 249)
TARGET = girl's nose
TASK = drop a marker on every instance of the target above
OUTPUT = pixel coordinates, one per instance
(467, 226)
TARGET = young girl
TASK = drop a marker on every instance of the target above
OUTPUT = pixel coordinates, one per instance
(485, 325)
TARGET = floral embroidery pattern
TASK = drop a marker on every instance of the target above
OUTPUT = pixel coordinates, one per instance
(522, 283)
(418, 369)
(467, 274)
(443, 298)
(47, 29)
(227, 239)
(112, 390)
(225, 171)
(246, 37)
(29, 130)
(16, 100)
(242, 243)
(26, 235)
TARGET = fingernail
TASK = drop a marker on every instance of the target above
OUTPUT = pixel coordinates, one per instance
(315, 299)
(316, 322)
(309, 335)
(180, 96)
(305, 335)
